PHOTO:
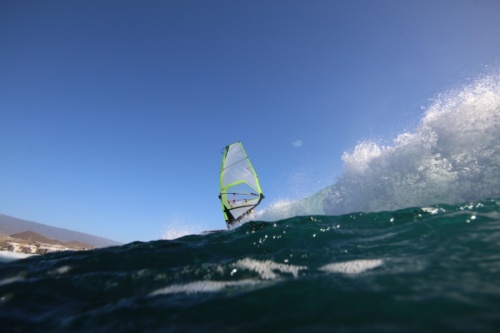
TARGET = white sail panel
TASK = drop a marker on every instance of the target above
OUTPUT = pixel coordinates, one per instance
(240, 190)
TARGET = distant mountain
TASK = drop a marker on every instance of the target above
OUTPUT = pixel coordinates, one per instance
(11, 225)
(31, 236)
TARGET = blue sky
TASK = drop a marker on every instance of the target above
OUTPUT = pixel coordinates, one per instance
(113, 114)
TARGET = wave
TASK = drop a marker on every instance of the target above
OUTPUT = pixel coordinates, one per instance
(433, 268)
(453, 156)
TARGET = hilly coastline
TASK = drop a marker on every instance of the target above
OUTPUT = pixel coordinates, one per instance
(31, 236)
(28, 237)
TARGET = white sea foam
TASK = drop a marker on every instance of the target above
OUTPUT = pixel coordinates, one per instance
(353, 266)
(202, 287)
(453, 156)
(19, 277)
(276, 210)
(267, 269)
(433, 210)
(61, 270)
(6, 256)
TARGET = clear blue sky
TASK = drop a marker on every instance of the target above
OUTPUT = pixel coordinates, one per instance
(113, 113)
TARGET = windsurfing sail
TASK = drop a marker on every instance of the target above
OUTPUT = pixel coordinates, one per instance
(240, 191)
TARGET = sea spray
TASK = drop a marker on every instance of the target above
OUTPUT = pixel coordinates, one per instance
(177, 227)
(453, 156)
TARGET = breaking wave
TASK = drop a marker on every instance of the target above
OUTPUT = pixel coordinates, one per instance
(453, 156)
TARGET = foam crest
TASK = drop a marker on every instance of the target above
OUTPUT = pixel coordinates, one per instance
(453, 156)
(276, 210)
(360, 159)
(6, 256)
(19, 277)
(197, 287)
(352, 267)
(267, 269)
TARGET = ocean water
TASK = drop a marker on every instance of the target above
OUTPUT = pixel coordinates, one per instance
(422, 269)
(407, 239)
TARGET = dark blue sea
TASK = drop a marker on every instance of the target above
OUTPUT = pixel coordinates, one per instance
(422, 269)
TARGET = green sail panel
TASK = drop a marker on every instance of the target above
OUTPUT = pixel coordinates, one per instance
(240, 190)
